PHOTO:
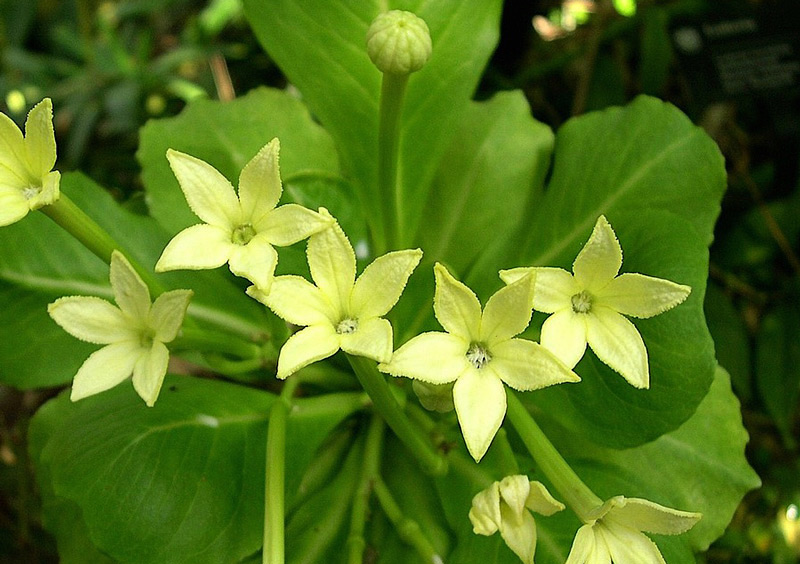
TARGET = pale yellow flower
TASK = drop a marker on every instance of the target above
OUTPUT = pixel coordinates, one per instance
(588, 305)
(133, 332)
(478, 353)
(27, 178)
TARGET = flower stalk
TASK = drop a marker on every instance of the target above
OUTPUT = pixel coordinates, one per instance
(382, 398)
(369, 473)
(572, 489)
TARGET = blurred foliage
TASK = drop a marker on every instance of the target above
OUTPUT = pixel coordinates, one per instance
(111, 65)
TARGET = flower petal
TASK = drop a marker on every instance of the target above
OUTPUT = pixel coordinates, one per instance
(149, 372)
(13, 157)
(644, 515)
(130, 291)
(617, 343)
(480, 401)
(642, 296)
(91, 319)
(519, 536)
(433, 357)
(207, 192)
(485, 511)
(456, 306)
(195, 248)
(306, 347)
(260, 183)
(600, 259)
(40, 139)
(380, 285)
(332, 263)
(105, 368)
(508, 311)
(564, 334)
(255, 261)
(553, 289)
(50, 191)
(372, 339)
(540, 500)
(290, 223)
(583, 549)
(525, 365)
(167, 313)
(514, 490)
(629, 546)
(13, 205)
(297, 301)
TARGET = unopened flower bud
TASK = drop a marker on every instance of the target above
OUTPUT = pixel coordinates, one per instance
(398, 42)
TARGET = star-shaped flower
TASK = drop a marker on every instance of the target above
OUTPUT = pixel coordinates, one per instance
(133, 333)
(588, 305)
(502, 507)
(340, 312)
(479, 353)
(27, 178)
(615, 532)
(238, 230)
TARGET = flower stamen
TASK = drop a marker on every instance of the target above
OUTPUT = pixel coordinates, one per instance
(582, 302)
(243, 234)
(347, 326)
(478, 355)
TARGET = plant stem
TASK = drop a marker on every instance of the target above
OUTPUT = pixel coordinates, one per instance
(408, 529)
(575, 493)
(382, 398)
(369, 473)
(273, 551)
(86, 230)
(215, 341)
(393, 89)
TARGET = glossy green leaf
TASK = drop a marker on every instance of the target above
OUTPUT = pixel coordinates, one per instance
(320, 46)
(478, 201)
(681, 354)
(699, 467)
(227, 135)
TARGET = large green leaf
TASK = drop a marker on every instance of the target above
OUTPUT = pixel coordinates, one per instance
(603, 405)
(320, 46)
(699, 467)
(478, 200)
(150, 483)
(227, 135)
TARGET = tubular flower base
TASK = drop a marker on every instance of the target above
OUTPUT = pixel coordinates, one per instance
(502, 507)
(478, 353)
(340, 312)
(588, 305)
(134, 333)
(26, 180)
(238, 230)
(615, 532)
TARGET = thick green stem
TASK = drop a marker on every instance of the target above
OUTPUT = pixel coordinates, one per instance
(382, 398)
(408, 529)
(393, 89)
(273, 551)
(369, 472)
(575, 493)
(86, 230)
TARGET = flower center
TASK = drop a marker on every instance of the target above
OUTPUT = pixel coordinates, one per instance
(478, 355)
(243, 234)
(582, 302)
(146, 338)
(30, 192)
(347, 326)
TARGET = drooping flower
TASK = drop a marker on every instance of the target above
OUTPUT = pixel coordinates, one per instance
(478, 353)
(504, 506)
(339, 312)
(615, 532)
(239, 229)
(27, 178)
(588, 305)
(133, 332)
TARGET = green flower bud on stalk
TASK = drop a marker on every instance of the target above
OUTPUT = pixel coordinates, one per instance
(398, 42)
